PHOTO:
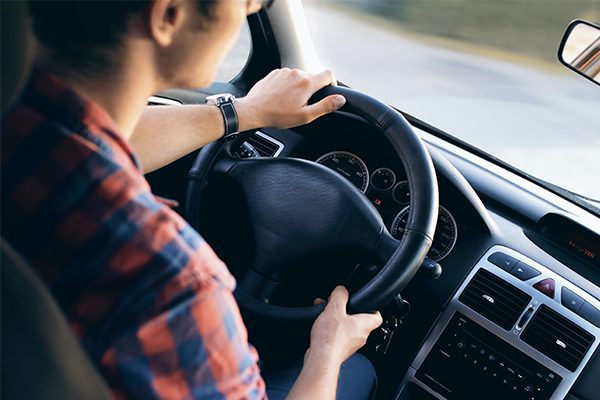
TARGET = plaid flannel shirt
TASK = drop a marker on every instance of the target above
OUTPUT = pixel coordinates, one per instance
(148, 299)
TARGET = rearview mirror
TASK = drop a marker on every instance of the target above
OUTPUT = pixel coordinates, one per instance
(580, 49)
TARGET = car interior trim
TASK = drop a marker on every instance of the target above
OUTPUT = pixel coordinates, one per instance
(294, 42)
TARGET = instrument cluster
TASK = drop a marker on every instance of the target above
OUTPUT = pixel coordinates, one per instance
(388, 190)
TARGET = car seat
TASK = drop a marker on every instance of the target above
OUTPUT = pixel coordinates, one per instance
(40, 356)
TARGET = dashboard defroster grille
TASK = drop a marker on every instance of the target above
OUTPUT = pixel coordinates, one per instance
(495, 299)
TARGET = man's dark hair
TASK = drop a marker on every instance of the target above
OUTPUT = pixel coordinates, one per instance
(83, 32)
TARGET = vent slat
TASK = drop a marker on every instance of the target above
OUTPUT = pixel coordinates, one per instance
(508, 302)
(506, 316)
(558, 338)
(496, 283)
(569, 359)
(547, 328)
(261, 148)
(514, 297)
(543, 337)
(540, 338)
(265, 147)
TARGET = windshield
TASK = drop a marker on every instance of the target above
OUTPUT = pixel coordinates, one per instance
(485, 71)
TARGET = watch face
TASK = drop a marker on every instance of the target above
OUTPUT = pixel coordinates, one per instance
(218, 99)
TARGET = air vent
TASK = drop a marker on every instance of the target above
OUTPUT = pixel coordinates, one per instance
(495, 299)
(265, 145)
(557, 337)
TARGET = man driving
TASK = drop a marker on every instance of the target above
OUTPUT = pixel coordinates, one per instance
(148, 299)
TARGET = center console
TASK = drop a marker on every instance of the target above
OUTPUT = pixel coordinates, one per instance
(513, 330)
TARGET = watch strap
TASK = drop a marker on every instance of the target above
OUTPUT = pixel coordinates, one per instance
(230, 118)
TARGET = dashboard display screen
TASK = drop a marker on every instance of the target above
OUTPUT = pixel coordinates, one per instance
(573, 238)
(582, 246)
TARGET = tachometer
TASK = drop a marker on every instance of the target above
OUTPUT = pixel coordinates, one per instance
(349, 166)
(445, 233)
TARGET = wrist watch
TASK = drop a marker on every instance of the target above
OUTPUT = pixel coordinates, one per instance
(225, 102)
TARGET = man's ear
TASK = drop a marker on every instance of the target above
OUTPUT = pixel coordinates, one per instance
(165, 19)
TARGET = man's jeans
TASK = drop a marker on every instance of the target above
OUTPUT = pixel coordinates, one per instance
(357, 380)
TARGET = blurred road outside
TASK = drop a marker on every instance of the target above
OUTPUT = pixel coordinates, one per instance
(535, 115)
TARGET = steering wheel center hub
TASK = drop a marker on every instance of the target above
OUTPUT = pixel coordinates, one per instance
(299, 207)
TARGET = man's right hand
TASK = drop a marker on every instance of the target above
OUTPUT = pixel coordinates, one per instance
(280, 100)
(335, 335)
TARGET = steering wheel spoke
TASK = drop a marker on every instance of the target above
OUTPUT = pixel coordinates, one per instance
(224, 164)
(257, 286)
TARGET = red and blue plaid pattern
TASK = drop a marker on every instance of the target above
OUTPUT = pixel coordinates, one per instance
(149, 300)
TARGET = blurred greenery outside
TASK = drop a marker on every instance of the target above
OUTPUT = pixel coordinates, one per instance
(530, 29)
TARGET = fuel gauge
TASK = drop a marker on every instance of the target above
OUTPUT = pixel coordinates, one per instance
(401, 193)
(383, 179)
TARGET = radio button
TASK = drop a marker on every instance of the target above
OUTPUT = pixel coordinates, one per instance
(503, 261)
(590, 313)
(524, 272)
(571, 300)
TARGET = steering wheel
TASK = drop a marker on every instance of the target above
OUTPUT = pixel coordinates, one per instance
(298, 207)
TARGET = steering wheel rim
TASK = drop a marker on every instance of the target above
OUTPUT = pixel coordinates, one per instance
(404, 257)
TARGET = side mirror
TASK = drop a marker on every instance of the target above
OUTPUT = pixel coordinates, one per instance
(580, 49)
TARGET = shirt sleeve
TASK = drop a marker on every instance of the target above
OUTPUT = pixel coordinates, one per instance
(196, 349)
(174, 330)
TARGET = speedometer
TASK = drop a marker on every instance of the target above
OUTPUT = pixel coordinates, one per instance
(444, 238)
(349, 166)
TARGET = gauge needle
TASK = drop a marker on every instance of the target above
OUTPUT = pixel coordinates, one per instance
(341, 171)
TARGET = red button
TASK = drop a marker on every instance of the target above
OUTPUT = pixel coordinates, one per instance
(546, 286)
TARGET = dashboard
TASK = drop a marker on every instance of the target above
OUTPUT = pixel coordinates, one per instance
(516, 266)
(513, 329)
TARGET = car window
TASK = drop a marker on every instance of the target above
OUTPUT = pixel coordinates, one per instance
(485, 71)
(237, 57)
